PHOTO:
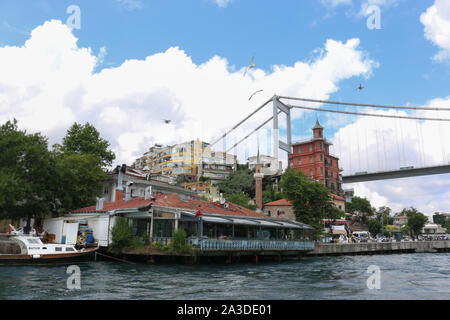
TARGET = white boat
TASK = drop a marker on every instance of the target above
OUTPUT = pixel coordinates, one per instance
(26, 249)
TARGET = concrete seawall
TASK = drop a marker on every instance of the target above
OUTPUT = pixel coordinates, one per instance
(379, 248)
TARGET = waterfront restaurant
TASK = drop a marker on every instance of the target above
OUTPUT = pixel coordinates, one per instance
(221, 222)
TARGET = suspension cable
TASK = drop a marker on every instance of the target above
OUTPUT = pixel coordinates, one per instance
(247, 136)
(370, 114)
(365, 105)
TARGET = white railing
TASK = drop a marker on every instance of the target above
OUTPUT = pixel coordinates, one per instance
(214, 244)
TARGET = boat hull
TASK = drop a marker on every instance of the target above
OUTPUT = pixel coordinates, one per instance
(61, 258)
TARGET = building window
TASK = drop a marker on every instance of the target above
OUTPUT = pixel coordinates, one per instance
(321, 170)
(311, 172)
(310, 148)
(299, 149)
(292, 163)
(321, 157)
(299, 161)
(320, 146)
(310, 159)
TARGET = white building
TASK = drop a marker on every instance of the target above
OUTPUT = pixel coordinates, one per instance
(433, 228)
(270, 165)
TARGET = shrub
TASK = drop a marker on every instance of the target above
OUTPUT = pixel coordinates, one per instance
(146, 238)
(179, 242)
(120, 235)
(136, 243)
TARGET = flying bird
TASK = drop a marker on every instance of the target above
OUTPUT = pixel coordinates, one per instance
(360, 87)
(167, 121)
(254, 94)
(251, 66)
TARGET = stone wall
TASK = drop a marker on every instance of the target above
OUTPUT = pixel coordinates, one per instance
(288, 212)
(380, 247)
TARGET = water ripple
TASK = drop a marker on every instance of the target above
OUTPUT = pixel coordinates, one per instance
(414, 276)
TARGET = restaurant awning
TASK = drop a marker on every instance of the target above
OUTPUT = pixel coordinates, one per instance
(216, 220)
(245, 222)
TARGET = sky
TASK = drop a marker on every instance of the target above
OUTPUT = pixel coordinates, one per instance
(124, 65)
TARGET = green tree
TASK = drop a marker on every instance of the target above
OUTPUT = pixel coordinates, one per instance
(384, 216)
(240, 199)
(311, 200)
(26, 174)
(80, 179)
(439, 219)
(374, 227)
(85, 139)
(359, 205)
(240, 181)
(416, 221)
(120, 235)
(447, 225)
(79, 161)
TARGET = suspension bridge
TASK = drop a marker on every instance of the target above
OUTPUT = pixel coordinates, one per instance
(285, 105)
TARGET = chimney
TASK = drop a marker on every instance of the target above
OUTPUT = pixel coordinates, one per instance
(99, 204)
(258, 187)
(128, 190)
(148, 193)
(119, 190)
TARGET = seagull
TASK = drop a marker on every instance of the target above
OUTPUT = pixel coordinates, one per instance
(167, 121)
(360, 87)
(254, 94)
(251, 66)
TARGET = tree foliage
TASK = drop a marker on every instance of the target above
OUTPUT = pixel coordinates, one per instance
(86, 140)
(416, 220)
(27, 177)
(240, 181)
(439, 219)
(375, 227)
(120, 235)
(311, 200)
(240, 199)
(80, 178)
(359, 205)
(35, 181)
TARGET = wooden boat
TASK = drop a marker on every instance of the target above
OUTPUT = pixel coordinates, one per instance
(25, 250)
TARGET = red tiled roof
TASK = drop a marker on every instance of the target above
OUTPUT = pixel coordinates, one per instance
(281, 202)
(174, 201)
(337, 197)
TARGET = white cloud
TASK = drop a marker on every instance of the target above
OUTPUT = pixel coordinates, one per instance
(335, 3)
(222, 3)
(437, 27)
(363, 4)
(131, 4)
(50, 82)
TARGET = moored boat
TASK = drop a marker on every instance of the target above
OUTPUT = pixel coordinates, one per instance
(24, 250)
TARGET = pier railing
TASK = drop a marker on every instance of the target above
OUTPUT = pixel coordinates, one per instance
(243, 245)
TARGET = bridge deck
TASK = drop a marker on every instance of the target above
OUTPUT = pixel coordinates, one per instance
(397, 174)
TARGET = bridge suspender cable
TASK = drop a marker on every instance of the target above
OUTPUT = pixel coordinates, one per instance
(241, 122)
(365, 105)
(370, 114)
(246, 137)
